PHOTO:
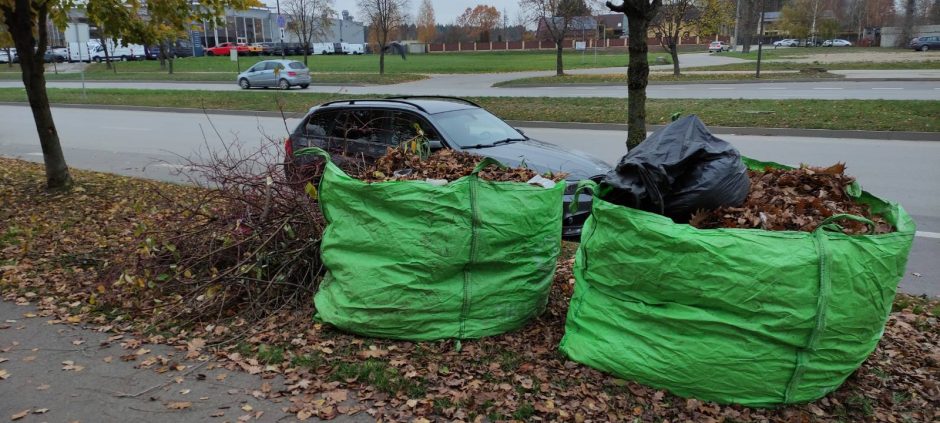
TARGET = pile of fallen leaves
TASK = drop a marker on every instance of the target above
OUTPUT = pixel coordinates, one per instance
(54, 246)
(794, 200)
(399, 164)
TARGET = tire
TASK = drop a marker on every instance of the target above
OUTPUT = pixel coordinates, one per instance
(924, 48)
(244, 83)
(97, 59)
(209, 53)
(283, 84)
(304, 86)
(124, 58)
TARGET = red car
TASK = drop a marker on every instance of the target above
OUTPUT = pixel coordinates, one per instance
(223, 49)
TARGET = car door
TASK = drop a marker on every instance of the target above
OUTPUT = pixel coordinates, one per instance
(271, 72)
(254, 74)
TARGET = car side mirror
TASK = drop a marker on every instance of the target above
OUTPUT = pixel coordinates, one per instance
(435, 145)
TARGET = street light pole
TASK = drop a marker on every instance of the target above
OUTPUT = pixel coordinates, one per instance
(737, 17)
(280, 30)
(760, 37)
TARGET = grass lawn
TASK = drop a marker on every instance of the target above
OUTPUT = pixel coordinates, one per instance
(875, 115)
(778, 66)
(318, 78)
(655, 77)
(481, 62)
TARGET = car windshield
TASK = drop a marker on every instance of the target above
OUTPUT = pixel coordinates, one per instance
(475, 128)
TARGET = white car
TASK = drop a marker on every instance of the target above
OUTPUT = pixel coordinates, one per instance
(4, 58)
(787, 42)
(837, 43)
(717, 47)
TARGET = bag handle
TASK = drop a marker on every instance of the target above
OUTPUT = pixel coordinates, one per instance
(487, 161)
(313, 151)
(585, 184)
(830, 223)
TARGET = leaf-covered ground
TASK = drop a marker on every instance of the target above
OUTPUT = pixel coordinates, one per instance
(63, 253)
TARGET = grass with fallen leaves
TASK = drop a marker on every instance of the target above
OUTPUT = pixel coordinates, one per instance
(790, 66)
(871, 115)
(58, 249)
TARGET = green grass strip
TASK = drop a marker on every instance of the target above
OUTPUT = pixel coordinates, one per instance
(872, 115)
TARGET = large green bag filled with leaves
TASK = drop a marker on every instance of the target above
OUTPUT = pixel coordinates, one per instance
(743, 316)
(411, 260)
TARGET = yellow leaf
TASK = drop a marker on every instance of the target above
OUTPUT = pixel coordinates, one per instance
(311, 191)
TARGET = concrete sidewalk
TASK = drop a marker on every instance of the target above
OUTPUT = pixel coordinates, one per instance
(66, 373)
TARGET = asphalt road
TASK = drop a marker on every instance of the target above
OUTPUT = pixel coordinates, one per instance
(150, 144)
(480, 85)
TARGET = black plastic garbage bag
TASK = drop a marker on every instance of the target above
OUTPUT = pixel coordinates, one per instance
(677, 170)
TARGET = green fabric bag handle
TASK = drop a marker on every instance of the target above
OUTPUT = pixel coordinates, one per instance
(830, 225)
(486, 163)
(582, 185)
(313, 151)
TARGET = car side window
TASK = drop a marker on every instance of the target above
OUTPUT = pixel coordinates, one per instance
(256, 68)
(272, 66)
(319, 124)
(406, 126)
(363, 125)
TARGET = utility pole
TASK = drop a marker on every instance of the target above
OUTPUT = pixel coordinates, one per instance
(813, 30)
(280, 21)
(737, 18)
(760, 37)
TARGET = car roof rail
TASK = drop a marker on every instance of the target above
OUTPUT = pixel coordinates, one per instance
(389, 100)
(440, 97)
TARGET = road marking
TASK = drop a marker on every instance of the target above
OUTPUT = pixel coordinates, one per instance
(827, 88)
(772, 88)
(721, 88)
(126, 128)
(933, 235)
(887, 88)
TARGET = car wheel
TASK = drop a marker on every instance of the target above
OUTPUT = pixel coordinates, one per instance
(209, 53)
(924, 48)
(304, 86)
(97, 59)
(244, 84)
(283, 84)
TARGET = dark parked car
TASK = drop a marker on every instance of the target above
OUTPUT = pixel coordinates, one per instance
(182, 48)
(55, 55)
(926, 43)
(366, 128)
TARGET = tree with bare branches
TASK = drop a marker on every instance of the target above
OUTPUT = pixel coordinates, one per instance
(555, 18)
(383, 17)
(674, 17)
(639, 15)
(309, 20)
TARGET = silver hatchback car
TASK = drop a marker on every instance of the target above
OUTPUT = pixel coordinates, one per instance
(275, 73)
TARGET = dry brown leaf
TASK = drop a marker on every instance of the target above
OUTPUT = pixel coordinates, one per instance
(180, 405)
(21, 414)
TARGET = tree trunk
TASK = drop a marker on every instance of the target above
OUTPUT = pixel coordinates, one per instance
(559, 64)
(9, 57)
(381, 60)
(638, 73)
(21, 22)
(907, 30)
(673, 49)
(107, 56)
(306, 52)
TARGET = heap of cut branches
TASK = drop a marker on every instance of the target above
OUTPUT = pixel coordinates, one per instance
(399, 164)
(244, 245)
(794, 200)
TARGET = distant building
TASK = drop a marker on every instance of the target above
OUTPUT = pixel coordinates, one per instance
(254, 25)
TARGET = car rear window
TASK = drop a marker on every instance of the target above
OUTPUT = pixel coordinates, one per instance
(296, 65)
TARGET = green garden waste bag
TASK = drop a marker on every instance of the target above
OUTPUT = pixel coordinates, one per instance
(742, 316)
(411, 260)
